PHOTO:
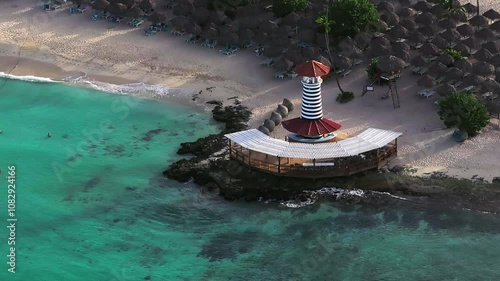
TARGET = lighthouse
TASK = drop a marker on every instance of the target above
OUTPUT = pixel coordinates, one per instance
(311, 126)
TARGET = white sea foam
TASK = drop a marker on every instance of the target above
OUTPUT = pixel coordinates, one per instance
(27, 78)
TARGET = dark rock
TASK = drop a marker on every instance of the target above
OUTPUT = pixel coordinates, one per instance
(276, 118)
(496, 180)
(203, 146)
(269, 125)
(282, 110)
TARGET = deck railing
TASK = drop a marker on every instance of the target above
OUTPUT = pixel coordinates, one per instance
(343, 166)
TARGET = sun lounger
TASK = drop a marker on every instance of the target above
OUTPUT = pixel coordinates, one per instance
(468, 89)
(205, 43)
(493, 97)
(416, 70)
(417, 46)
(150, 32)
(82, 9)
(213, 45)
(473, 51)
(292, 74)
(248, 44)
(440, 79)
(423, 71)
(267, 62)
(357, 62)
(303, 45)
(279, 75)
(347, 72)
(426, 93)
(457, 84)
(433, 58)
(189, 38)
(138, 23)
(340, 71)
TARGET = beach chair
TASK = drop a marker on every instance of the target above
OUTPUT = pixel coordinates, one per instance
(292, 74)
(205, 43)
(357, 62)
(440, 79)
(150, 32)
(117, 19)
(457, 84)
(138, 23)
(473, 51)
(428, 94)
(303, 45)
(340, 71)
(433, 58)
(189, 38)
(248, 44)
(423, 71)
(279, 75)
(213, 45)
(347, 72)
(416, 70)
(82, 10)
(468, 89)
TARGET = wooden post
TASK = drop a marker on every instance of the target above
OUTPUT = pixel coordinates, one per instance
(279, 165)
(396, 147)
(229, 142)
(314, 162)
(249, 157)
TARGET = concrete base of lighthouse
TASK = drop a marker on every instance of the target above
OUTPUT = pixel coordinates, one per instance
(331, 137)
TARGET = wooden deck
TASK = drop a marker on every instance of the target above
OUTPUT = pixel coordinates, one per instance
(324, 168)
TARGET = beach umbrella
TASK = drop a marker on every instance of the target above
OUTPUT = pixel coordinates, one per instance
(308, 53)
(440, 42)
(463, 65)
(401, 45)
(407, 12)
(296, 57)
(473, 80)
(398, 32)
(342, 62)
(285, 31)
(402, 54)
(283, 64)
(419, 61)
(193, 28)
(100, 5)
(483, 55)
(157, 17)
(470, 8)
(425, 18)
(268, 27)
(362, 40)
(246, 35)
(483, 69)
(495, 61)
(146, 5)
(437, 10)
(382, 26)
(181, 10)
(479, 21)
(390, 18)
(445, 59)
(451, 35)
(231, 38)
(135, 12)
(495, 26)
(491, 85)
(379, 50)
(201, 15)
(454, 74)
(446, 89)
(429, 49)
(346, 44)
(485, 33)
(470, 42)
(437, 69)
(390, 64)
(179, 22)
(462, 48)
(416, 37)
(426, 81)
(306, 35)
(355, 52)
(210, 32)
(492, 14)
(324, 60)
(497, 77)
(409, 24)
(422, 6)
(219, 18)
(428, 30)
(459, 16)
(385, 6)
(447, 23)
(291, 19)
(466, 30)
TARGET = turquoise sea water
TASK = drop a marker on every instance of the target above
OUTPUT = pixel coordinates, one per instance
(92, 205)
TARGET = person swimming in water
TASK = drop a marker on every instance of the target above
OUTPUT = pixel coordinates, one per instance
(49, 135)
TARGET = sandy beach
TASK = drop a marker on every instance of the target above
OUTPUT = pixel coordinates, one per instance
(57, 45)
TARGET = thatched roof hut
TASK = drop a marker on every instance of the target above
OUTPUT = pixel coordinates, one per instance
(451, 35)
(454, 74)
(485, 34)
(429, 49)
(491, 14)
(440, 42)
(483, 55)
(466, 30)
(362, 40)
(419, 61)
(407, 12)
(479, 21)
(463, 64)
(445, 59)
(426, 18)
(409, 24)
(437, 69)
(416, 37)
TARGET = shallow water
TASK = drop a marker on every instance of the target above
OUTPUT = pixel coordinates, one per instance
(92, 205)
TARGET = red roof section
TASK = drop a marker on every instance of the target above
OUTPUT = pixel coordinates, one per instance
(306, 127)
(312, 68)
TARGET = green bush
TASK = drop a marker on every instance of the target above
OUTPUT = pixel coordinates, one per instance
(282, 8)
(352, 16)
(372, 69)
(345, 97)
(457, 55)
(464, 112)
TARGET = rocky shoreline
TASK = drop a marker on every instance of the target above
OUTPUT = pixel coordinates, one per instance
(210, 167)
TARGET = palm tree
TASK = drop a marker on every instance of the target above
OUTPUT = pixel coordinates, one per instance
(325, 22)
(450, 7)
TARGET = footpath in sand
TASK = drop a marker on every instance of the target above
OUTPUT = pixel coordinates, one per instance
(57, 45)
